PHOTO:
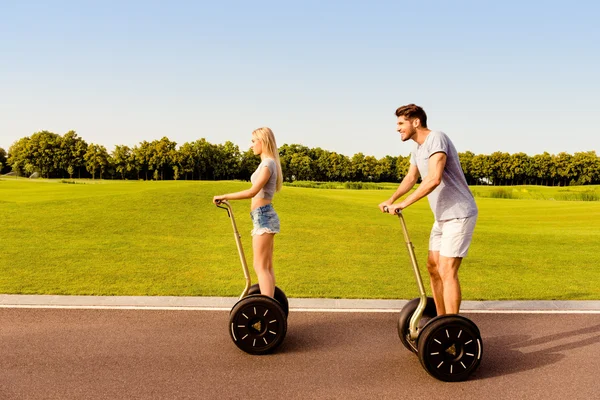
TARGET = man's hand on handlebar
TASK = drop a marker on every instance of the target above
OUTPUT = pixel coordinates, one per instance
(384, 205)
(392, 209)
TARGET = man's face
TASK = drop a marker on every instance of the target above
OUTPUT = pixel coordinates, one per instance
(406, 128)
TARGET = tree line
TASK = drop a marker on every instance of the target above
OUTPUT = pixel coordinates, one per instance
(60, 156)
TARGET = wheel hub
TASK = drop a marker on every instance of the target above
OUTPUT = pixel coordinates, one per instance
(452, 350)
(257, 326)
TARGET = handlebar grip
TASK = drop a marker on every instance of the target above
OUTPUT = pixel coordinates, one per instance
(397, 211)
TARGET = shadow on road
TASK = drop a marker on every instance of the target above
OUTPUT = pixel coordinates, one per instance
(302, 337)
(509, 354)
(323, 333)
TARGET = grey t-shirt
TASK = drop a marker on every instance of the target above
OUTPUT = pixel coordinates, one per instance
(452, 198)
(268, 191)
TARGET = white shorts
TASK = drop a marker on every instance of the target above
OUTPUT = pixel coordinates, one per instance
(452, 238)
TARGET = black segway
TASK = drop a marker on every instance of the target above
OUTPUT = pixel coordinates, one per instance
(257, 323)
(449, 346)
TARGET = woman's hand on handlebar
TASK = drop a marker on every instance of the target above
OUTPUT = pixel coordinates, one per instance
(218, 199)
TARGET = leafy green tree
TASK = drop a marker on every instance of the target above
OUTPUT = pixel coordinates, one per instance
(358, 167)
(43, 149)
(480, 169)
(543, 168)
(17, 156)
(72, 152)
(585, 167)
(466, 161)
(186, 159)
(175, 159)
(386, 169)
(499, 166)
(248, 164)
(142, 158)
(120, 158)
(520, 168)
(227, 160)
(370, 169)
(204, 158)
(133, 163)
(339, 167)
(301, 164)
(96, 158)
(320, 164)
(29, 169)
(299, 167)
(402, 167)
(2, 159)
(160, 155)
(564, 167)
(284, 159)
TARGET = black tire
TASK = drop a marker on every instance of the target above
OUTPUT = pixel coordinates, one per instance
(450, 348)
(404, 320)
(279, 296)
(257, 324)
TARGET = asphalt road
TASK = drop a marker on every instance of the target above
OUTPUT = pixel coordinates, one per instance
(165, 354)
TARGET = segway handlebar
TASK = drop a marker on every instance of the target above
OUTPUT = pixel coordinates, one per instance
(416, 317)
(224, 204)
(397, 211)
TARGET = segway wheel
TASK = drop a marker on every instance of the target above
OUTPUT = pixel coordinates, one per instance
(257, 324)
(450, 348)
(404, 321)
(279, 296)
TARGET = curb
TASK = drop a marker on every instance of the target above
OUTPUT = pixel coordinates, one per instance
(297, 304)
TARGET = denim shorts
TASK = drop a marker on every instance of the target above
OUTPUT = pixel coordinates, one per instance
(264, 220)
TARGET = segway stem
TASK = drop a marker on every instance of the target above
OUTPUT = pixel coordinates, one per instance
(416, 317)
(238, 242)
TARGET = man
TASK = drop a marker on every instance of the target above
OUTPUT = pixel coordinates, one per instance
(435, 159)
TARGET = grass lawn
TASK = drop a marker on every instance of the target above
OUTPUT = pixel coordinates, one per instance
(167, 238)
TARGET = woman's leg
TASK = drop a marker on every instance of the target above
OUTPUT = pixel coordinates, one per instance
(263, 262)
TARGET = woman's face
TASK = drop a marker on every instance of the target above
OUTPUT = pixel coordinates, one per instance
(257, 146)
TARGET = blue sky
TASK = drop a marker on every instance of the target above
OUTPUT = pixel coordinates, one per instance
(505, 76)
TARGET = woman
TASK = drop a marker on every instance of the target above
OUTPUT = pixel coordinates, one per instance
(266, 180)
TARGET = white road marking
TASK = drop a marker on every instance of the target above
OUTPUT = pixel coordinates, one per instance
(323, 310)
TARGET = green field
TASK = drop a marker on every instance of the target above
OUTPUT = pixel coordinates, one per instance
(166, 238)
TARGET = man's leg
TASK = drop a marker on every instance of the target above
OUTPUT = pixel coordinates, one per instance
(437, 286)
(448, 272)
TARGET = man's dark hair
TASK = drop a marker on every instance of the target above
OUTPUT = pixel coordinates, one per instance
(412, 111)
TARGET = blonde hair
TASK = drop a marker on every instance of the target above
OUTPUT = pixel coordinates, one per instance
(266, 136)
